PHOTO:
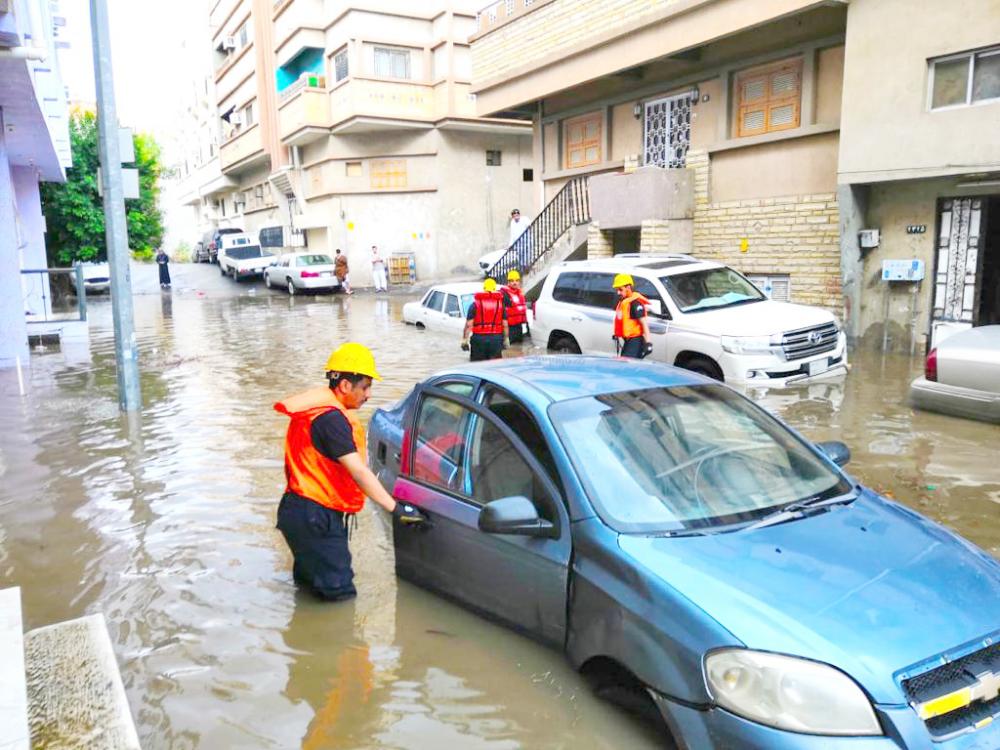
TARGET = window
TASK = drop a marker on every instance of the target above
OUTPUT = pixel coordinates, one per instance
(392, 63)
(569, 288)
(340, 69)
(388, 173)
(248, 115)
(776, 286)
(515, 416)
(769, 98)
(438, 456)
(528, 175)
(353, 169)
(498, 470)
(582, 141)
(244, 37)
(451, 306)
(599, 292)
(646, 289)
(493, 158)
(434, 300)
(965, 79)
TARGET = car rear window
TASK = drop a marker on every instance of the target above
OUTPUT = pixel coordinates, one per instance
(245, 252)
(586, 288)
(314, 260)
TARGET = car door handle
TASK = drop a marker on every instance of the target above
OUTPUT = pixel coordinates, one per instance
(576, 318)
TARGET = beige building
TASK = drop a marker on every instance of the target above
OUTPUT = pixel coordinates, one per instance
(920, 163)
(348, 124)
(752, 131)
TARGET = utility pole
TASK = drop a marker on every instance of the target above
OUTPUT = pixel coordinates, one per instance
(116, 229)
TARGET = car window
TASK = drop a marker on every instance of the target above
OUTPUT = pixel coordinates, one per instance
(710, 288)
(285, 262)
(439, 443)
(664, 459)
(569, 287)
(434, 300)
(598, 291)
(497, 470)
(245, 253)
(520, 421)
(646, 289)
(467, 300)
(314, 260)
(451, 305)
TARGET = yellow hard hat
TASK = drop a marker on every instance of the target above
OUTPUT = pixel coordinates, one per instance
(513, 276)
(354, 358)
(489, 285)
(622, 279)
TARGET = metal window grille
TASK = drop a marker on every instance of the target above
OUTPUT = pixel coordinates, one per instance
(776, 286)
(340, 67)
(493, 158)
(667, 131)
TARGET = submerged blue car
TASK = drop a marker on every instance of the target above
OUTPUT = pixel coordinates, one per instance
(688, 550)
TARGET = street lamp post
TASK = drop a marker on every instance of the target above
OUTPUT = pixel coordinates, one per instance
(116, 228)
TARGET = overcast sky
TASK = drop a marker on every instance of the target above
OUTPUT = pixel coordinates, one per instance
(150, 41)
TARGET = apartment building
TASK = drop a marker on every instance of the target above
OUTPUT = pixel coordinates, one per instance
(920, 164)
(352, 124)
(768, 135)
(34, 148)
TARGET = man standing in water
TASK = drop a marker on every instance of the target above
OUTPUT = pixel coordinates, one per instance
(327, 475)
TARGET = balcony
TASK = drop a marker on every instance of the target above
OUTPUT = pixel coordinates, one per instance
(366, 104)
(243, 150)
(304, 116)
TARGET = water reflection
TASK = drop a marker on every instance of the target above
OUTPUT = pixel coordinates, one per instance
(166, 524)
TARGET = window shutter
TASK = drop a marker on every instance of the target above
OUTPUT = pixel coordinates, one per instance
(769, 98)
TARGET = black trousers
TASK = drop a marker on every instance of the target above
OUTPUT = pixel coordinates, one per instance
(634, 347)
(317, 537)
(485, 346)
(517, 332)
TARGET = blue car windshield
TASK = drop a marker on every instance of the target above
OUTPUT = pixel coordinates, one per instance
(689, 457)
(710, 289)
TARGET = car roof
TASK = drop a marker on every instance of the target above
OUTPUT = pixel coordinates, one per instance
(659, 265)
(458, 287)
(564, 377)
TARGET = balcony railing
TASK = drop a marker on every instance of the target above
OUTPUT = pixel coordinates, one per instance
(304, 116)
(306, 81)
(401, 100)
(241, 148)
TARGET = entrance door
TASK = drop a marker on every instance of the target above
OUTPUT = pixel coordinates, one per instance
(956, 279)
(667, 131)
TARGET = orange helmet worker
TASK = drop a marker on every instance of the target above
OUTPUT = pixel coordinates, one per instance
(631, 332)
(517, 308)
(327, 478)
(486, 332)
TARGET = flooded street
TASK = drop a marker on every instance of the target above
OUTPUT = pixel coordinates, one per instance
(165, 523)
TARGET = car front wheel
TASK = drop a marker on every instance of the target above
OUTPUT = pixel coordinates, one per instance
(704, 366)
(267, 281)
(565, 344)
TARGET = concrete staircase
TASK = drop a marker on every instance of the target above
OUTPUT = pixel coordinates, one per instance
(59, 685)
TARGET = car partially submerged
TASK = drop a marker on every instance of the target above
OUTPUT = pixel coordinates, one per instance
(962, 376)
(686, 548)
(96, 277)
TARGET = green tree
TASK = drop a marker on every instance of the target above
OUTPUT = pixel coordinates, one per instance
(74, 212)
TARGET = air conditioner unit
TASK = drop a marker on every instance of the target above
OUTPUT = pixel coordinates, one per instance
(229, 42)
(236, 118)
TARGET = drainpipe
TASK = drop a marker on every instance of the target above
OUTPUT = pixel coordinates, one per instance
(34, 51)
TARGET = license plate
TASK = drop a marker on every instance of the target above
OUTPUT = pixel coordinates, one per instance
(820, 365)
(327, 273)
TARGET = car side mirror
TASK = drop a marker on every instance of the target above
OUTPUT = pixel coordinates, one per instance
(513, 515)
(655, 307)
(836, 451)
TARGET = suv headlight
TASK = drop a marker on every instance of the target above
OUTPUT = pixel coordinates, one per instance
(789, 693)
(746, 344)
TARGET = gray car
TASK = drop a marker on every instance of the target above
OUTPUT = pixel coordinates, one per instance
(962, 376)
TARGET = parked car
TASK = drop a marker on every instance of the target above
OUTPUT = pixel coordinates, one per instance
(298, 272)
(216, 244)
(686, 548)
(443, 308)
(201, 252)
(489, 260)
(962, 376)
(240, 260)
(704, 317)
(96, 277)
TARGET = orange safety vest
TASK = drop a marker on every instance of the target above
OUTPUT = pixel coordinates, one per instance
(308, 472)
(488, 318)
(627, 327)
(517, 313)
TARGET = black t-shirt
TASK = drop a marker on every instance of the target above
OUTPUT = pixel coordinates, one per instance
(332, 435)
(637, 310)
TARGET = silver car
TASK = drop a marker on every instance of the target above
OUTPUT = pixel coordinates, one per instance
(299, 272)
(962, 376)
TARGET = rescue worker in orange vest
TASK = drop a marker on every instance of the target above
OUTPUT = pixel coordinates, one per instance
(327, 476)
(487, 324)
(517, 308)
(631, 333)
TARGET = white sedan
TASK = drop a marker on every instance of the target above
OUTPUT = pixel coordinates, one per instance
(299, 272)
(443, 307)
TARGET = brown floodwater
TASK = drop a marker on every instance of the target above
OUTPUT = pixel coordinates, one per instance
(165, 523)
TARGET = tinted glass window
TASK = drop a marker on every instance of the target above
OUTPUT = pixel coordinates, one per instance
(434, 301)
(451, 305)
(569, 287)
(497, 470)
(599, 292)
(439, 445)
(314, 260)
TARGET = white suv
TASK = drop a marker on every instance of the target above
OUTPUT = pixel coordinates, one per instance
(703, 316)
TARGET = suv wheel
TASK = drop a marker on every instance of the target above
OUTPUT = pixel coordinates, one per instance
(564, 344)
(704, 366)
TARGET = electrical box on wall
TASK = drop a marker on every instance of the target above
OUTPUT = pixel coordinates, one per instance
(910, 269)
(868, 238)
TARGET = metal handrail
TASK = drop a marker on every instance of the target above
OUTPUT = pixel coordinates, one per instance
(569, 207)
(46, 296)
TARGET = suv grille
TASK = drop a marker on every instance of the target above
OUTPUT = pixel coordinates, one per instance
(807, 342)
(974, 678)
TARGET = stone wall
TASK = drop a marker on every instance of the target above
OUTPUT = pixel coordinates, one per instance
(599, 244)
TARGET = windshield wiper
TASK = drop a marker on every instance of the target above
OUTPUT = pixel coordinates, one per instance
(799, 509)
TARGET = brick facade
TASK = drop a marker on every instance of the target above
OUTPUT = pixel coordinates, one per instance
(598, 242)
